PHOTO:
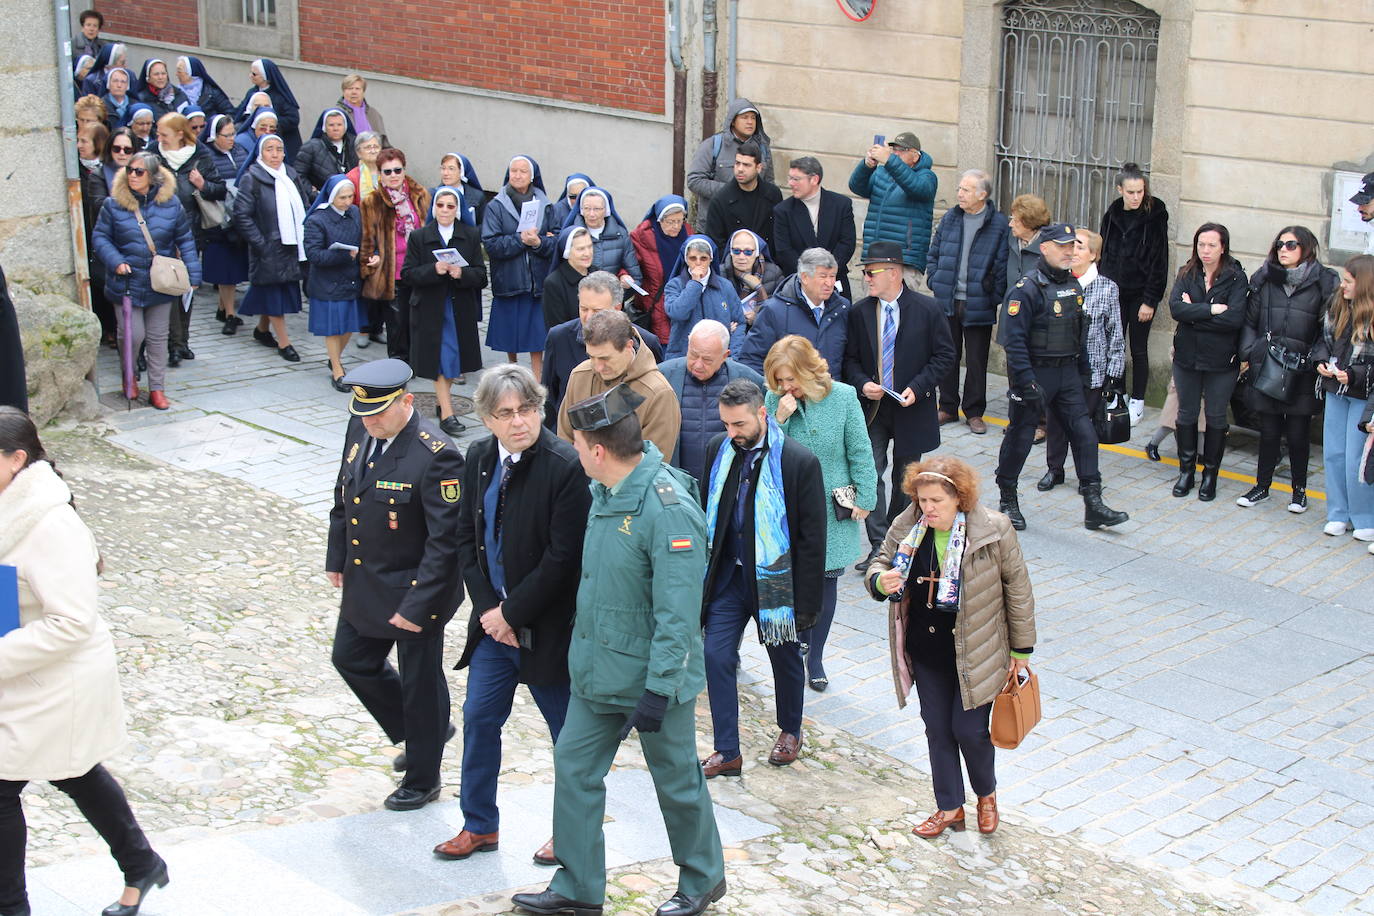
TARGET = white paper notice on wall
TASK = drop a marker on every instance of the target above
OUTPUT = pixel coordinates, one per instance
(1348, 231)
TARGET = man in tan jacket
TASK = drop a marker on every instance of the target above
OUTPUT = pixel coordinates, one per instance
(616, 354)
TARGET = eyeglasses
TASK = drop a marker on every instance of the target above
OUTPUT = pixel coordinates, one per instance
(396, 171)
(1287, 245)
(121, 149)
(743, 251)
(873, 273)
(446, 206)
(135, 170)
(526, 411)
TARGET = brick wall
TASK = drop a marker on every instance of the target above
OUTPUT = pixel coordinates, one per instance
(172, 21)
(596, 52)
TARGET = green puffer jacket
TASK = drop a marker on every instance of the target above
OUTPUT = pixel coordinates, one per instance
(638, 624)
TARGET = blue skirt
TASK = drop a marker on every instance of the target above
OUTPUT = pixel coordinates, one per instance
(271, 299)
(450, 360)
(335, 316)
(516, 325)
(223, 264)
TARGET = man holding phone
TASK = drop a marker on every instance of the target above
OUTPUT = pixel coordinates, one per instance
(900, 184)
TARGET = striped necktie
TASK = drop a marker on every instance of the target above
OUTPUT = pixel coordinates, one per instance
(889, 345)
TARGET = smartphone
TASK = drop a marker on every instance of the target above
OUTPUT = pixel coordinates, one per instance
(879, 140)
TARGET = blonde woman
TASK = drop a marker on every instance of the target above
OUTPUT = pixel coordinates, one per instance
(825, 416)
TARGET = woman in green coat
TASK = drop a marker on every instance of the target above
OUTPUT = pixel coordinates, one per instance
(825, 416)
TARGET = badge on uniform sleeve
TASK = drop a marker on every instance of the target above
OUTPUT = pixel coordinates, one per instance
(352, 453)
(682, 542)
(1014, 307)
(448, 489)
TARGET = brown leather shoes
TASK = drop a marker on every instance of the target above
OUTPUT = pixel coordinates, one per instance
(716, 765)
(935, 825)
(544, 855)
(466, 843)
(786, 749)
(987, 813)
(947, 417)
(977, 426)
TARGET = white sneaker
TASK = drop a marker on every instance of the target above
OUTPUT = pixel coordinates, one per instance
(1364, 534)
(1335, 529)
(1137, 410)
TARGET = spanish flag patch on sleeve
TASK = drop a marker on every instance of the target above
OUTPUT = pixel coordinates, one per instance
(680, 543)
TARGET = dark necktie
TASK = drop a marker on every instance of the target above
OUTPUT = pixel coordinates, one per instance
(506, 464)
(375, 455)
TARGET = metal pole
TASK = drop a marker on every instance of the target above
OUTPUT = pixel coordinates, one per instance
(730, 93)
(679, 95)
(708, 68)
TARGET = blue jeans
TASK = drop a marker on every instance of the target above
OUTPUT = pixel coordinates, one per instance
(1347, 500)
(730, 611)
(493, 675)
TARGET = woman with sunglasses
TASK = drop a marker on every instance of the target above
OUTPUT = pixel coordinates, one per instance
(225, 258)
(395, 208)
(269, 214)
(746, 265)
(658, 241)
(1286, 305)
(144, 190)
(447, 304)
(118, 150)
(695, 291)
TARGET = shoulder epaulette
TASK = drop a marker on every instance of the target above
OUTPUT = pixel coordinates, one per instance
(667, 493)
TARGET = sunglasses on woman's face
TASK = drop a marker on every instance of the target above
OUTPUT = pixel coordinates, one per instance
(396, 171)
(1287, 245)
(121, 149)
(134, 170)
(743, 252)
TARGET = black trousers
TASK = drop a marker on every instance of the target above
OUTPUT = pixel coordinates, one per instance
(1063, 388)
(952, 731)
(398, 324)
(882, 432)
(971, 345)
(178, 325)
(1274, 427)
(1195, 386)
(410, 706)
(375, 311)
(1057, 441)
(1137, 341)
(102, 802)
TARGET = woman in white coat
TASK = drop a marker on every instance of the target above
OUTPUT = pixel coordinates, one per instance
(60, 708)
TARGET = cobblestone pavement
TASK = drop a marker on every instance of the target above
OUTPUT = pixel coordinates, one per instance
(1201, 666)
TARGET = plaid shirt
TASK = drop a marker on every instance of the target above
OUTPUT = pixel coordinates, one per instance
(1106, 346)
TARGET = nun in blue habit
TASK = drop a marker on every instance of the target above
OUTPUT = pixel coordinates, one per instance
(200, 87)
(519, 263)
(267, 77)
(566, 205)
(333, 235)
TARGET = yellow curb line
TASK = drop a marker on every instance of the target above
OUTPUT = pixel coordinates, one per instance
(1137, 453)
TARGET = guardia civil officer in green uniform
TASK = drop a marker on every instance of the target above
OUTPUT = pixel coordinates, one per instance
(635, 662)
(1044, 330)
(393, 549)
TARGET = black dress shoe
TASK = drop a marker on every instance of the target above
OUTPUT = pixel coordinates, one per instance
(399, 762)
(681, 904)
(230, 326)
(187, 353)
(219, 315)
(173, 356)
(289, 354)
(339, 385)
(452, 425)
(819, 684)
(1151, 451)
(265, 338)
(547, 902)
(1051, 480)
(158, 878)
(407, 799)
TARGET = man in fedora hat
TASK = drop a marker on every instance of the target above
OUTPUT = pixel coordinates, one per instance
(897, 350)
(393, 549)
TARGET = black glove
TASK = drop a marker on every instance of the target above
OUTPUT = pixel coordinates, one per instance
(1027, 394)
(648, 714)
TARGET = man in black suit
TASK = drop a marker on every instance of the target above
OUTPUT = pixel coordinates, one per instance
(524, 510)
(812, 218)
(756, 476)
(898, 340)
(393, 549)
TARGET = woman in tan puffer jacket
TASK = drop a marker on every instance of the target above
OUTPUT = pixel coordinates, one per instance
(961, 619)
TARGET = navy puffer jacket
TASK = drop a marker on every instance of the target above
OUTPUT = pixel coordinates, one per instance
(117, 238)
(901, 205)
(516, 268)
(987, 265)
(786, 313)
(333, 274)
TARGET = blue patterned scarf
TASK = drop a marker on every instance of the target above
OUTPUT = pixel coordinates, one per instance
(772, 540)
(947, 595)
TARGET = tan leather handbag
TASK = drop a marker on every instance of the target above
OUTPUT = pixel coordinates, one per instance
(166, 275)
(1015, 711)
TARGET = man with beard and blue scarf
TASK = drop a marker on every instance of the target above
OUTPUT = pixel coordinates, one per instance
(765, 521)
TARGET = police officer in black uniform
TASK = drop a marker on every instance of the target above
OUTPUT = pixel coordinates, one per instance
(393, 548)
(1044, 330)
